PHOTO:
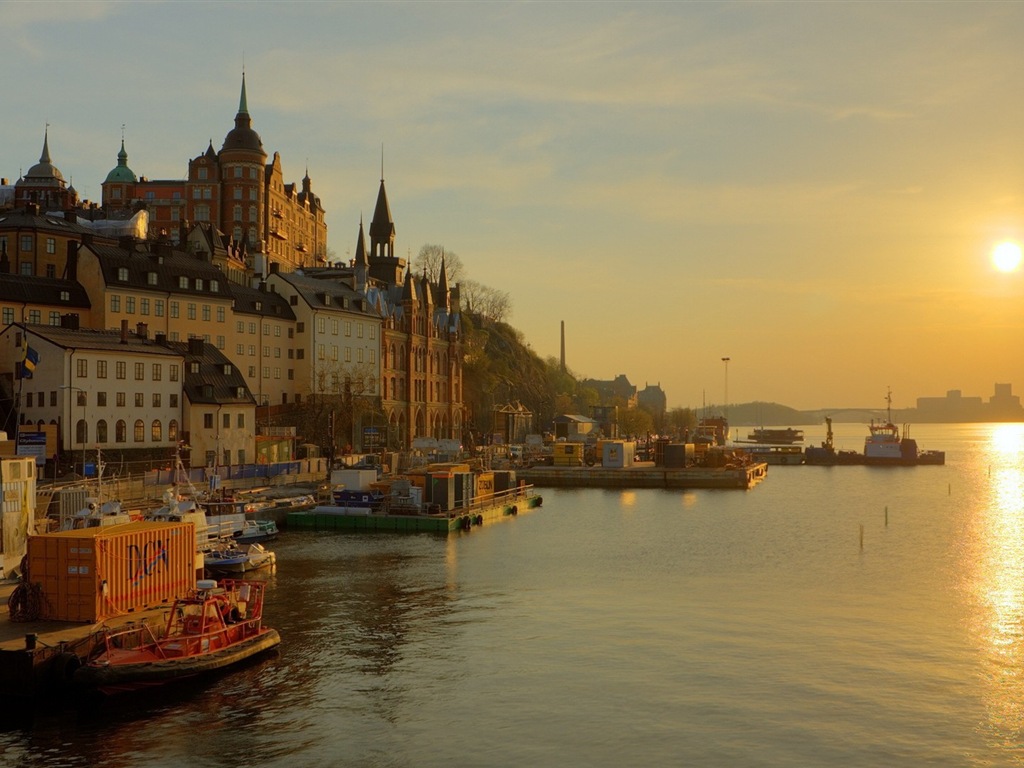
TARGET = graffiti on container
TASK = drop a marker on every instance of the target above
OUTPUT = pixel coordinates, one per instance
(144, 560)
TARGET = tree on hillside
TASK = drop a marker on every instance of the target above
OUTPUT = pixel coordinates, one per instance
(634, 422)
(428, 261)
(489, 303)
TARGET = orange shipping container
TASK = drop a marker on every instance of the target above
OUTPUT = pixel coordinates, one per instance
(95, 574)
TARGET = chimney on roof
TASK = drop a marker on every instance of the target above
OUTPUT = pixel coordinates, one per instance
(69, 321)
(195, 345)
(142, 331)
(124, 331)
(5, 263)
(71, 263)
(274, 268)
(161, 339)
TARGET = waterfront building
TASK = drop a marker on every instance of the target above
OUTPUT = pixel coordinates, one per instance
(653, 399)
(109, 389)
(616, 391)
(41, 300)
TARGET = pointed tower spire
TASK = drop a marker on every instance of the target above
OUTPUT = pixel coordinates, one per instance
(361, 258)
(45, 157)
(243, 106)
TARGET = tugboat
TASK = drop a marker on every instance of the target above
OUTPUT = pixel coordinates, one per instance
(886, 447)
(213, 627)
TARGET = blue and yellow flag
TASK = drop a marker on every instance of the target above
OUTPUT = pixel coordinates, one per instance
(28, 365)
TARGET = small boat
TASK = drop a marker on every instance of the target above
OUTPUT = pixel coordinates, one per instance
(213, 627)
(254, 531)
(235, 558)
(767, 436)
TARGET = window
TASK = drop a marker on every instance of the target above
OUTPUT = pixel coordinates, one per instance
(121, 431)
(238, 171)
(207, 316)
(241, 455)
(82, 369)
(101, 399)
(51, 245)
(158, 371)
(199, 283)
(348, 327)
(201, 174)
(151, 278)
(173, 400)
(101, 369)
(241, 421)
(156, 399)
(174, 309)
(158, 307)
(221, 342)
(252, 328)
(220, 314)
(156, 432)
(8, 315)
(35, 316)
(140, 371)
(129, 305)
(239, 326)
(252, 214)
(202, 213)
(122, 274)
(120, 399)
(183, 282)
(143, 306)
(26, 268)
(238, 193)
(26, 242)
(115, 303)
(140, 431)
(237, 211)
(207, 421)
(140, 400)
(101, 431)
(240, 349)
(81, 432)
(172, 430)
(226, 421)
(173, 372)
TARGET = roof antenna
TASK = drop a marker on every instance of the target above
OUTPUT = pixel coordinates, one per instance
(382, 161)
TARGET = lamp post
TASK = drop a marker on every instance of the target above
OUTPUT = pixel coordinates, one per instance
(81, 391)
(726, 361)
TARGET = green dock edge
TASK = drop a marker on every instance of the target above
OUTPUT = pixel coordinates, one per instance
(460, 521)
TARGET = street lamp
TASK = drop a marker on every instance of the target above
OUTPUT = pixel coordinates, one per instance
(84, 428)
(726, 361)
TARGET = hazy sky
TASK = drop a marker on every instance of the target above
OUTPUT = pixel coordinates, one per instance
(811, 189)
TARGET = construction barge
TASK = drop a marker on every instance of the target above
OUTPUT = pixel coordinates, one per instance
(737, 478)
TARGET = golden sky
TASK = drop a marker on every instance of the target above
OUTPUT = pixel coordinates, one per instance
(813, 190)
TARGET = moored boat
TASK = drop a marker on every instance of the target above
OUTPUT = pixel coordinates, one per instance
(769, 436)
(232, 558)
(213, 627)
(254, 531)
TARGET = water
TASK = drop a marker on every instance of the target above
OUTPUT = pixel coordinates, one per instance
(851, 616)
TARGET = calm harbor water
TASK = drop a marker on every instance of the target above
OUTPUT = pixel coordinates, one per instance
(847, 616)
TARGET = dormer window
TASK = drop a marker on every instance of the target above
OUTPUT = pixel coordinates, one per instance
(183, 282)
(65, 296)
(240, 392)
(151, 278)
(258, 306)
(227, 369)
(199, 283)
(208, 390)
(193, 367)
(214, 286)
(122, 274)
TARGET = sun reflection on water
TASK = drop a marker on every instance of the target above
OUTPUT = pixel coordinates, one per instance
(1000, 580)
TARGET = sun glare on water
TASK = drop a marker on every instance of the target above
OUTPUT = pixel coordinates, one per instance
(1006, 256)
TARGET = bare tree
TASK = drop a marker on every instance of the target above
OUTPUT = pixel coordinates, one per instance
(428, 261)
(485, 301)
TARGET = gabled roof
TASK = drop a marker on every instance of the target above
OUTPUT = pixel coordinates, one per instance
(22, 219)
(325, 293)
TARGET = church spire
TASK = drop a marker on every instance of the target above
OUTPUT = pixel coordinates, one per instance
(243, 106)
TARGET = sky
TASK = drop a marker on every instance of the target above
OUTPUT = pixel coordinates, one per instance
(810, 189)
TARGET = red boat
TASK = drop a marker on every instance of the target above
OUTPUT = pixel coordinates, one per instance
(213, 627)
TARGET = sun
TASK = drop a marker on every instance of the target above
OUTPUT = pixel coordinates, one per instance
(1006, 256)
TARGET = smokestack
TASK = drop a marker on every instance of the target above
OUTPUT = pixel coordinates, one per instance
(124, 331)
(563, 346)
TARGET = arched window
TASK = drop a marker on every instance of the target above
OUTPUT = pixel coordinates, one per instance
(121, 431)
(157, 431)
(101, 431)
(140, 431)
(81, 432)
(172, 430)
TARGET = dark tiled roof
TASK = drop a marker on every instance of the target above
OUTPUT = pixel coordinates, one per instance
(218, 381)
(269, 304)
(43, 290)
(22, 219)
(89, 338)
(314, 290)
(169, 266)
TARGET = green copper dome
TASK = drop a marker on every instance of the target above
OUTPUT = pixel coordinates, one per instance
(122, 173)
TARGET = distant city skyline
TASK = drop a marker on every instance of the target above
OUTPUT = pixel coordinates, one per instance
(814, 191)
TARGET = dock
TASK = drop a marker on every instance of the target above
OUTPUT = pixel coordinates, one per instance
(38, 657)
(646, 476)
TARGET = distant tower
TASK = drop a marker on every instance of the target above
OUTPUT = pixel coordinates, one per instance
(563, 346)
